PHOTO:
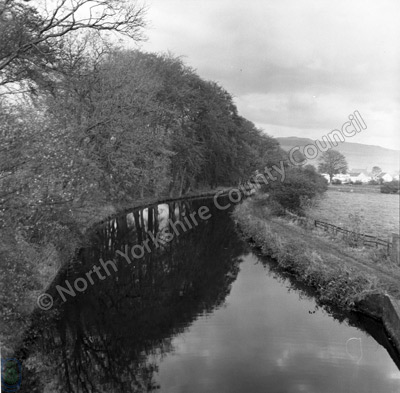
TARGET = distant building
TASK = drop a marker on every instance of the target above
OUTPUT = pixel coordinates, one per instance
(359, 177)
(343, 177)
(326, 176)
(385, 177)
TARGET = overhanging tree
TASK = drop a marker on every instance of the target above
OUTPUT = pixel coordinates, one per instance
(31, 33)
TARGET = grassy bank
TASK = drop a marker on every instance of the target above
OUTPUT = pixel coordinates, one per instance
(341, 275)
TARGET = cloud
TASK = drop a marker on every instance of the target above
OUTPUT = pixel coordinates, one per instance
(295, 64)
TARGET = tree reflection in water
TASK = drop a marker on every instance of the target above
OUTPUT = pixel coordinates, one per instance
(106, 338)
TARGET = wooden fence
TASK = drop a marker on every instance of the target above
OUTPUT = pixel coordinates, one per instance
(351, 237)
(354, 237)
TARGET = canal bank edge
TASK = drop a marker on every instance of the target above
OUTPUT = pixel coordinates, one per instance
(386, 309)
(118, 210)
(377, 304)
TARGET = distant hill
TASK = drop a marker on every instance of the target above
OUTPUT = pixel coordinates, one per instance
(358, 155)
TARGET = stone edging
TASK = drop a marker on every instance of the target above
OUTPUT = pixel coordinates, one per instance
(386, 309)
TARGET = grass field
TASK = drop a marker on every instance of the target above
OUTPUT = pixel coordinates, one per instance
(372, 213)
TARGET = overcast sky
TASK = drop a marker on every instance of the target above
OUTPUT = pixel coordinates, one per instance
(294, 68)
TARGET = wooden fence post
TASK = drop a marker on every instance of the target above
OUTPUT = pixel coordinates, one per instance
(394, 255)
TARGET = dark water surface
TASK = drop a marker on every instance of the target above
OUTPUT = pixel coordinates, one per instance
(200, 313)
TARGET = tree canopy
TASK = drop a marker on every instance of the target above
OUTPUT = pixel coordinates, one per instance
(123, 125)
(332, 162)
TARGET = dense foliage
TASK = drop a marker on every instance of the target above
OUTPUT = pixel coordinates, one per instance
(94, 125)
(299, 187)
(391, 187)
(129, 125)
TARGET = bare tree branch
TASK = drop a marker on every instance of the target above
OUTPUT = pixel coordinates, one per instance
(27, 31)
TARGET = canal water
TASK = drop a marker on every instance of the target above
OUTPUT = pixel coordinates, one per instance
(199, 312)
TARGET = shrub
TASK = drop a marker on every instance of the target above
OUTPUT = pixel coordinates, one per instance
(336, 182)
(390, 187)
(299, 185)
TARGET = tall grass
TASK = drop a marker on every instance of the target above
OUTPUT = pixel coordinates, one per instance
(336, 283)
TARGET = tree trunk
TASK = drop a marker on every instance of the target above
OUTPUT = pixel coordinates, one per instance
(182, 182)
